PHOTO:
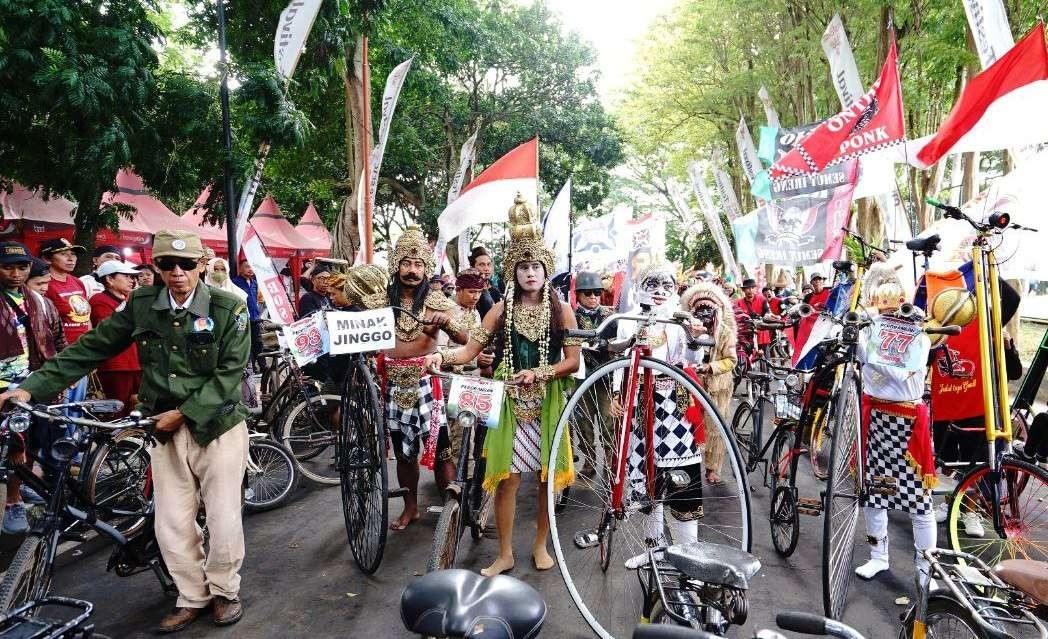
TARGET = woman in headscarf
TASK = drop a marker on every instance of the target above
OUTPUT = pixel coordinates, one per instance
(527, 330)
(216, 274)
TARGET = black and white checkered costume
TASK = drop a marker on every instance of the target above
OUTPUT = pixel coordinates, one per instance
(413, 425)
(674, 442)
(886, 450)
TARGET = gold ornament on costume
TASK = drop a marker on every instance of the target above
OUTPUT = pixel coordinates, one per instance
(525, 240)
(366, 286)
(412, 244)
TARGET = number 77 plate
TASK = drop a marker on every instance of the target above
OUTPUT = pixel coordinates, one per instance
(480, 396)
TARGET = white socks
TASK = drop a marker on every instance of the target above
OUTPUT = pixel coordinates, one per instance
(924, 537)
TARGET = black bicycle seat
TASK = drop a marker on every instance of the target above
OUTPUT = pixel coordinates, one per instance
(460, 603)
(928, 244)
(843, 266)
(758, 376)
(714, 563)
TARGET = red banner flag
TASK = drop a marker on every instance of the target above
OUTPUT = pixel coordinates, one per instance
(871, 123)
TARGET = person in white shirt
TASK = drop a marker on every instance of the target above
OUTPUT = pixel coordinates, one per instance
(102, 254)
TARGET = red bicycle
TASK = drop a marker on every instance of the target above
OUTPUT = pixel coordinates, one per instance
(602, 522)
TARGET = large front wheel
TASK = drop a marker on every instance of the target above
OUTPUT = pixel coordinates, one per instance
(843, 498)
(608, 595)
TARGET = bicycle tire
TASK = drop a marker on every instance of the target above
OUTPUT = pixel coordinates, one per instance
(28, 577)
(742, 428)
(1022, 484)
(945, 618)
(780, 466)
(820, 434)
(363, 474)
(843, 498)
(446, 537)
(313, 445)
(111, 466)
(726, 517)
(276, 466)
(785, 520)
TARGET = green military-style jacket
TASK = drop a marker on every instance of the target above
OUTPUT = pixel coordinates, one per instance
(192, 360)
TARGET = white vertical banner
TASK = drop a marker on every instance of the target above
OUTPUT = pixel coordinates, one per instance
(272, 288)
(990, 29)
(770, 114)
(293, 27)
(843, 71)
(687, 215)
(389, 103)
(727, 194)
(359, 257)
(556, 227)
(751, 164)
(464, 240)
(465, 160)
(247, 196)
(713, 219)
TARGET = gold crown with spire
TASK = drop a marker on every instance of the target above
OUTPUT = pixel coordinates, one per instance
(365, 285)
(412, 243)
(525, 240)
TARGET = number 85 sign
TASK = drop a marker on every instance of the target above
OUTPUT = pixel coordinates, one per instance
(482, 397)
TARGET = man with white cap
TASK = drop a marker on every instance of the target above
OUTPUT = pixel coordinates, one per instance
(121, 375)
(193, 344)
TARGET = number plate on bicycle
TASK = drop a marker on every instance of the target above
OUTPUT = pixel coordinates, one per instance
(898, 343)
(482, 397)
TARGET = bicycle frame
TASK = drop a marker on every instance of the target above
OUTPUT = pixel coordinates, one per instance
(991, 344)
(640, 349)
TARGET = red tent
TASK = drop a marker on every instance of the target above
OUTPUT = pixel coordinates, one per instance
(280, 238)
(210, 234)
(311, 228)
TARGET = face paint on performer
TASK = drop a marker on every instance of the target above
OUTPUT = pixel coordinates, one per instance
(530, 276)
(411, 272)
(656, 288)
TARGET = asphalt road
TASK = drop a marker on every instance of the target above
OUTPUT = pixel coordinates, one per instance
(299, 579)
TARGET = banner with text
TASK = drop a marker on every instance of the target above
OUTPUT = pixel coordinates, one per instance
(293, 27)
(843, 71)
(989, 23)
(360, 332)
(595, 243)
(394, 83)
(713, 220)
(307, 339)
(269, 284)
(751, 164)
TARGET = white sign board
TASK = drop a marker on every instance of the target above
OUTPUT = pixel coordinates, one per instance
(360, 332)
(480, 396)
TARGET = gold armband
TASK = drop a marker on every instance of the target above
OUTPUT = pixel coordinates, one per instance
(573, 341)
(447, 356)
(480, 334)
(543, 373)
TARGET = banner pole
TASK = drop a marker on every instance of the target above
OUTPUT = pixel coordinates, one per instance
(227, 141)
(368, 240)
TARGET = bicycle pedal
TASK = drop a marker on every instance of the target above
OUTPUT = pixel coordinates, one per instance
(809, 506)
(434, 510)
(398, 492)
(73, 536)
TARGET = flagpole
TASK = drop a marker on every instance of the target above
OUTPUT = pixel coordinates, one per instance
(227, 141)
(368, 241)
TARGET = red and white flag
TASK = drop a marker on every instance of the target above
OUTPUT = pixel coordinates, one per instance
(489, 197)
(1002, 107)
(871, 123)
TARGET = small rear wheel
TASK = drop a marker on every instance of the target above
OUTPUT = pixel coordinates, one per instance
(28, 578)
(309, 429)
(271, 476)
(785, 520)
(780, 466)
(946, 619)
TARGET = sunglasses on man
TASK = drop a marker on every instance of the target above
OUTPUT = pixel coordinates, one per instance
(168, 263)
(590, 292)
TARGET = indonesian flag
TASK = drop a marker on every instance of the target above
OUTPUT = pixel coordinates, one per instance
(871, 123)
(489, 197)
(1002, 107)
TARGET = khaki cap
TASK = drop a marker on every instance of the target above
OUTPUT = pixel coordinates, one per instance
(177, 244)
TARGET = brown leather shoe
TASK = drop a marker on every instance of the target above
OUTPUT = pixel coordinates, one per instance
(178, 619)
(226, 611)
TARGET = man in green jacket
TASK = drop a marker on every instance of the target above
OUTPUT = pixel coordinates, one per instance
(193, 343)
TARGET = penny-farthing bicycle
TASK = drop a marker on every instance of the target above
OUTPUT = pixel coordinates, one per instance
(601, 523)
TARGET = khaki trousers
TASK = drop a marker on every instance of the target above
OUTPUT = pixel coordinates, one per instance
(184, 474)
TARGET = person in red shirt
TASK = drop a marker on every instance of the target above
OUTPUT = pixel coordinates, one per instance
(819, 295)
(66, 291)
(756, 306)
(120, 375)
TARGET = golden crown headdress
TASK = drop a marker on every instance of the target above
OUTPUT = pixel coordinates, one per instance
(525, 240)
(413, 244)
(366, 286)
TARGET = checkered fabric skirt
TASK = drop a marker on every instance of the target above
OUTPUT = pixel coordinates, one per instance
(414, 423)
(674, 443)
(886, 450)
(527, 442)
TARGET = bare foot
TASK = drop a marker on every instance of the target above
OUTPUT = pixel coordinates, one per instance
(500, 566)
(542, 559)
(409, 515)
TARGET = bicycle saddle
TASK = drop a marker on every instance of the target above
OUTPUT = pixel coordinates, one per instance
(758, 376)
(928, 244)
(714, 563)
(1027, 575)
(460, 603)
(843, 266)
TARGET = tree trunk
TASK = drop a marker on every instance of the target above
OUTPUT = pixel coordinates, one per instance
(345, 239)
(86, 220)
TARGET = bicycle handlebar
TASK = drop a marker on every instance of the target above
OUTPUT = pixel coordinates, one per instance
(996, 221)
(950, 329)
(809, 624)
(44, 412)
(649, 318)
